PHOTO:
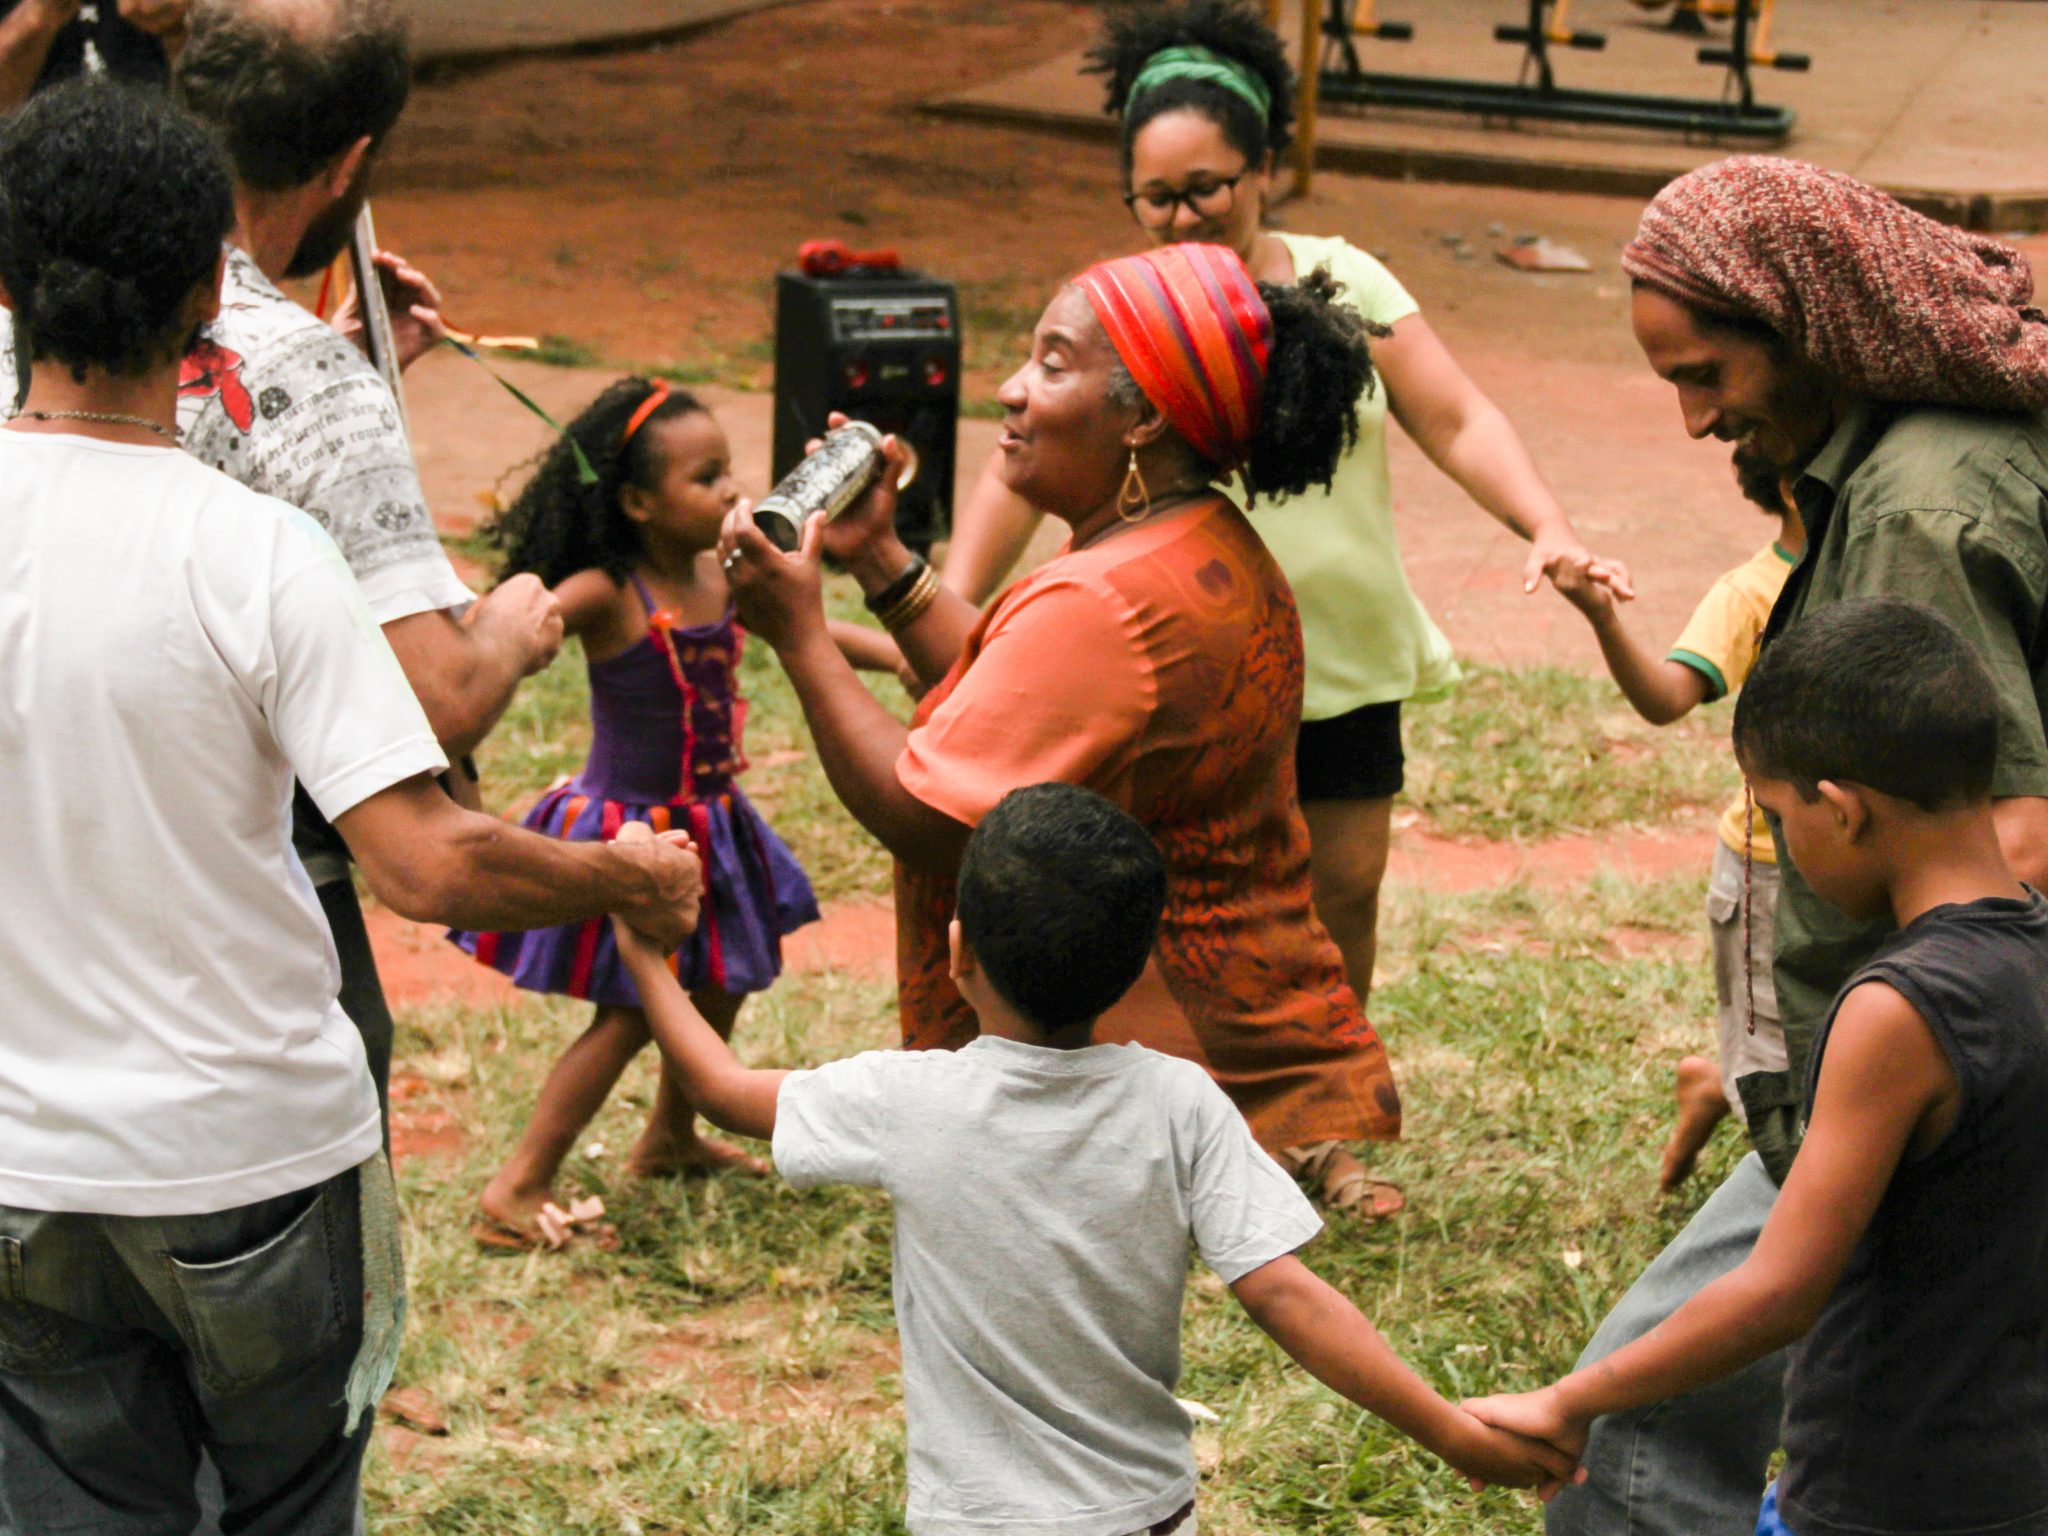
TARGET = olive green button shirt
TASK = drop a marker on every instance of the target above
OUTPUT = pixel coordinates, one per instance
(1947, 508)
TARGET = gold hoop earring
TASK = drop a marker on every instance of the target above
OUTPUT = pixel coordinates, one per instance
(1131, 506)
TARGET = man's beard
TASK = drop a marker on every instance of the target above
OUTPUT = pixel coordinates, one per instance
(1761, 481)
(329, 234)
(1801, 409)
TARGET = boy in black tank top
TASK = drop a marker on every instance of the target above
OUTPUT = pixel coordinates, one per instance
(1908, 1252)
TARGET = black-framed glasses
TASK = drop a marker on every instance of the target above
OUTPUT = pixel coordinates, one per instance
(1155, 208)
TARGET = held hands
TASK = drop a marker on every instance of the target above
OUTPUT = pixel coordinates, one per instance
(415, 305)
(521, 613)
(1553, 554)
(666, 914)
(1578, 584)
(1538, 1417)
(1498, 1457)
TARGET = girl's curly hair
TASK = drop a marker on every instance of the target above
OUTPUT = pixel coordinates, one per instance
(1137, 30)
(559, 524)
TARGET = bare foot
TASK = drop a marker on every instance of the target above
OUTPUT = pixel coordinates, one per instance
(667, 1157)
(1702, 1105)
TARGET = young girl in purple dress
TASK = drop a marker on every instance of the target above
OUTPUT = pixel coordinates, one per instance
(632, 561)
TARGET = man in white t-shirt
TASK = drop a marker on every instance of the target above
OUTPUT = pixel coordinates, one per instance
(1047, 1194)
(197, 1231)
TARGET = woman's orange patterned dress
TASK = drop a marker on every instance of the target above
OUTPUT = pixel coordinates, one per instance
(1161, 667)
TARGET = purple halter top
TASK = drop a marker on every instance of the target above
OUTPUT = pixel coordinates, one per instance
(667, 701)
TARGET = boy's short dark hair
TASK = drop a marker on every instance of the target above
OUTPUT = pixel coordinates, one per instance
(288, 89)
(1060, 899)
(113, 205)
(1874, 691)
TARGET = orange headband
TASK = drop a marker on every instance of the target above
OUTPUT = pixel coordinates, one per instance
(1189, 324)
(648, 407)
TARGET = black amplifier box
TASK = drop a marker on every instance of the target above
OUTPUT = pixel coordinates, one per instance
(884, 347)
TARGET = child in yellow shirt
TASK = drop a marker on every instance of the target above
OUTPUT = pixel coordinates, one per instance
(1709, 661)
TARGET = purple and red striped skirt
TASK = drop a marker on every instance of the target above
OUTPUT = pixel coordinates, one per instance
(755, 892)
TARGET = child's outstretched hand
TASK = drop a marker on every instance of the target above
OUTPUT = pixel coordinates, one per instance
(1491, 1455)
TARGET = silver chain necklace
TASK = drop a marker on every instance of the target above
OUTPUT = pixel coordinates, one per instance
(112, 418)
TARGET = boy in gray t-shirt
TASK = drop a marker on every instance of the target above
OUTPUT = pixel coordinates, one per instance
(1047, 1192)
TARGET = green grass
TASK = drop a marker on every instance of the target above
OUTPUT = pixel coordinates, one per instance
(1533, 754)
(731, 1369)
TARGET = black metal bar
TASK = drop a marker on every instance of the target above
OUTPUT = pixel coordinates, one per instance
(1544, 99)
(1337, 33)
(1738, 63)
(1687, 114)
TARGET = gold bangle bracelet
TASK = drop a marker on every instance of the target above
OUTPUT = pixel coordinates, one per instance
(911, 606)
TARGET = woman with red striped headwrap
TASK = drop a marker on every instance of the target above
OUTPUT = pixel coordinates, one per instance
(1156, 660)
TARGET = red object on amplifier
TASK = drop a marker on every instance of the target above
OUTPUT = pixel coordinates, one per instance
(830, 258)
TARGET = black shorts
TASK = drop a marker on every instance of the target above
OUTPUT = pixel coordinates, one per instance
(1356, 756)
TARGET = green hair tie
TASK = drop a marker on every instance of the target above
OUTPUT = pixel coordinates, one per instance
(1194, 62)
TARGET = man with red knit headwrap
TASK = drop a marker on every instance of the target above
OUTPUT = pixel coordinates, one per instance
(1897, 372)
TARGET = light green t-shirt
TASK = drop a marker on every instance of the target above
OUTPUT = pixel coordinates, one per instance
(1366, 638)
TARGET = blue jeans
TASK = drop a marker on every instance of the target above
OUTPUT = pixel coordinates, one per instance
(1693, 1466)
(130, 1344)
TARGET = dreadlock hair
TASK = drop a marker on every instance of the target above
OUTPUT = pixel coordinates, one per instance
(559, 524)
(1319, 368)
(1238, 32)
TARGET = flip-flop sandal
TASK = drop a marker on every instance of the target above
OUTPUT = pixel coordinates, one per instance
(502, 1237)
(555, 1227)
(1342, 1182)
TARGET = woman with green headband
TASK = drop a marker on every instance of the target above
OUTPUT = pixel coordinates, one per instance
(1207, 99)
